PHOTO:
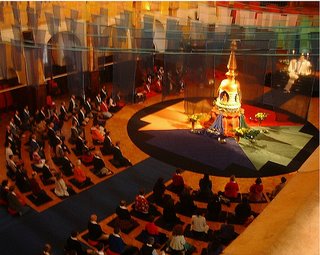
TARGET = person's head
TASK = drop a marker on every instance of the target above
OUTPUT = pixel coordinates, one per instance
(34, 174)
(141, 192)
(117, 143)
(206, 176)
(123, 203)
(100, 246)
(232, 178)
(51, 125)
(78, 162)
(73, 97)
(74, 234)
(177, 230)
(258, 181)
(58, 175)
(47, 248)
(4, 183)
(93, 217)
(150, 240)
(116, 230)
(178, 171)
(283, 179)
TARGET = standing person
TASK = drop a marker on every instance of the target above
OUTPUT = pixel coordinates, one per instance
(256, 189)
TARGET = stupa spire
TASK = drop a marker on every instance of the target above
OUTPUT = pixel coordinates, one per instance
(232, 63)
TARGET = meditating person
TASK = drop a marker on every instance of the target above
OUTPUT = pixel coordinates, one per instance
(199, 224)
(116, 243)
(226, 233)
(22, 179)
(99, 165)
(59, 154)
(256, 189)
(177, 243)
(80, 175)
(141, 203)
(186, 201)
(231, 190)
(205, 185)
(107, 147)
(37, 160)
(214, 247)
(60, 187)
(4, 190)
(118, 156)
(16, 203)
(158, 191)
(124, 217)
(97, 133)
(36, 190)
(74, 245)
(47, 174)
(105, 110)
(74, 133)
(278, 188)
(243, 211)
(213, 208)
(66, 165)
(148, 247)
(178, 181)
(169, 211)
(95, 231)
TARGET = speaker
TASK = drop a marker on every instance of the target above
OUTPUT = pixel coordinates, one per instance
(28, 37)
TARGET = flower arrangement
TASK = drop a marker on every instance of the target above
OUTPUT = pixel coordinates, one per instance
(247, 133)
(261, 116)
(194, 117)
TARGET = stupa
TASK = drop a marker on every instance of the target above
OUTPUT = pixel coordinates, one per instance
(227, 112)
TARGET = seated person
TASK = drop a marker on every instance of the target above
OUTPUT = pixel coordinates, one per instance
(119, 102)
(74, 133)
(243, 211)
(107, 147)
(213, 208)
(118, 156)
(97, 133)
(177, 181)
(148, 247)
(4, 190)
(226, 233)
(37, 160)
(205, 186)
(99, 118)
(37, 191)
(177, 242)
(113, 107)
(231, 190)
(169, 211)
(214, 247)
(116, 243)
(74, 245)
(79, 174)
(67, 166)
(141, 203)
(199, 224)
(158, 190)
(256, 190)
(47, 174)
(105, 110)
(122, 211)
(83, 120)
(186, 201)
(59, 153)
(152, 230)
(16, 203)
(95, 231)
(22, 179)
(278, 188)
(99, 165)
(60, 187)
(81, 145)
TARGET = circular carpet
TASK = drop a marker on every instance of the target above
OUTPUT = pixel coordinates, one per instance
(163, 132)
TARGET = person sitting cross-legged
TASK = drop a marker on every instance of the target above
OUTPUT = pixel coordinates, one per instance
(60, 189)
(108, 147)
(256, 189)
(148, 247)
(98, 133)
(74, 245)
(125, 220)
(80, 175)
(117, 245)
(118, 156)
(37, 191)
(95, 231)
(141, 203)
(99, 165)
(199, 224)
(231, 190)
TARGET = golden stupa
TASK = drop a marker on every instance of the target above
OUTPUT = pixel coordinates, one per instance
(227, 111)
(229, 90)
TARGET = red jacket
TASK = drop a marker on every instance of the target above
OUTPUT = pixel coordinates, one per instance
(231, 190)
